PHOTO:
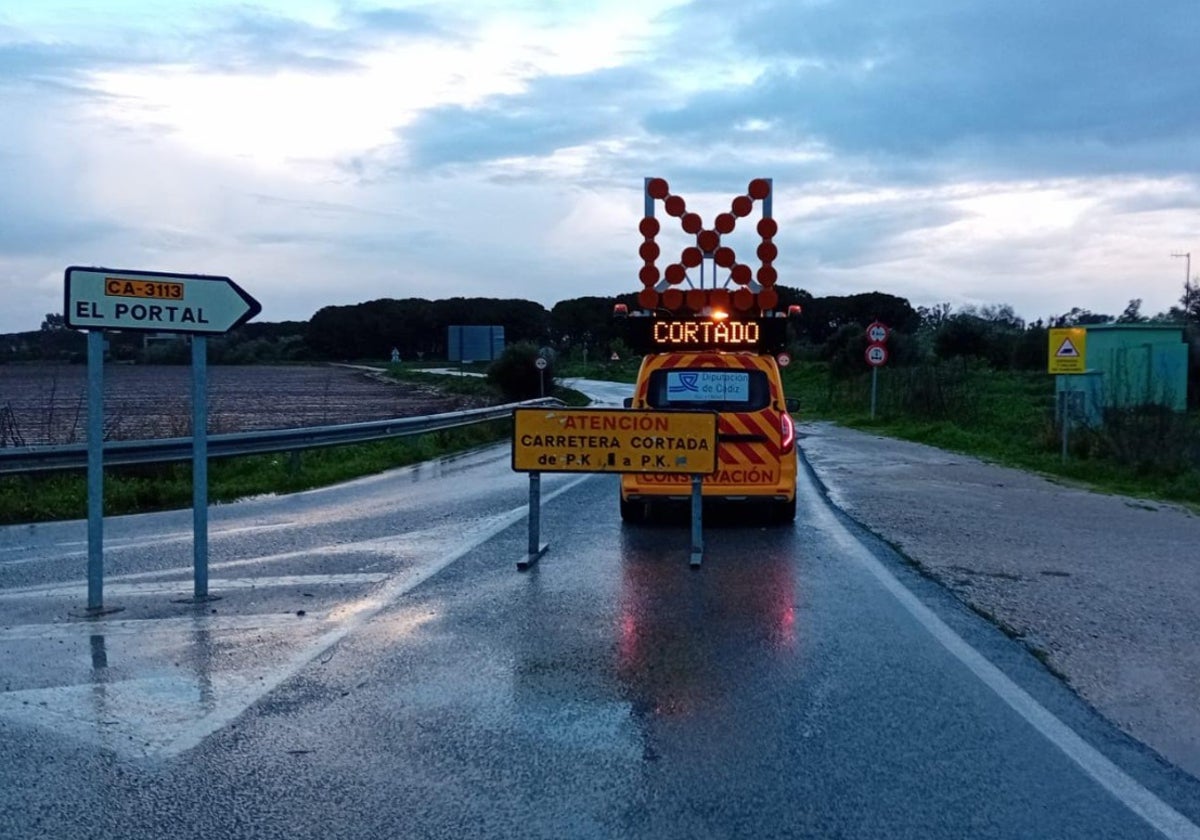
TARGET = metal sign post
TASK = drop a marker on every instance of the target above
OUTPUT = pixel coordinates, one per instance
(1066, 421)
(536, 547)
(1067, 357)
(98, 299)
(876, 356)
(540, 363)
(95, 473)
(200, 468)
(612, 440)
(874, 389)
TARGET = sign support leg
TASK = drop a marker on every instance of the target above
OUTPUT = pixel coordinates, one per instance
(200, 468)
(95, 479)
(536, 547)
(874, 383)
(95, 470)
(1066, 420)
(697, 517)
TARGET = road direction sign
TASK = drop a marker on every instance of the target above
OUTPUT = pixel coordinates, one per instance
(154, 301)
(876, 355)
(614, 440)
(1068, 350)
(877, 333)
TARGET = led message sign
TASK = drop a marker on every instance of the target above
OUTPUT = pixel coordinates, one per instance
(654, 335)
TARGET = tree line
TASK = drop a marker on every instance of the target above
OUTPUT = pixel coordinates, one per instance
(831, 329)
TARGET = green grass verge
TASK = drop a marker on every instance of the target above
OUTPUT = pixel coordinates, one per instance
(1003, 417)
(624, 370)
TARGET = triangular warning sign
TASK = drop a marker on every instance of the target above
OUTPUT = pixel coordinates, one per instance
(1067, 350)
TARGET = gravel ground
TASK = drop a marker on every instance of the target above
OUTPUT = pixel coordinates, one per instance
(1104, 589)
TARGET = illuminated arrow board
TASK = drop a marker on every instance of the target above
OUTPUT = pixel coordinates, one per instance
(614, 440)
(153, 301)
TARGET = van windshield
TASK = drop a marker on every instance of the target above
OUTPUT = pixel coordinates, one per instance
(718, 390)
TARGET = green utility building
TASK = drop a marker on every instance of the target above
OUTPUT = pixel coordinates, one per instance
(1128, 365)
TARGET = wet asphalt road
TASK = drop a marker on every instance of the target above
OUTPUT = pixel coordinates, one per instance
(430, 690)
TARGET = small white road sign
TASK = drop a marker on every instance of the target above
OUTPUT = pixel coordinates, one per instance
(876, 355)
(540, 363)
(877, 333)
(154, 301)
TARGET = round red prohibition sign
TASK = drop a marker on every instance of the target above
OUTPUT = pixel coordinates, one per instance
(784, 359)
(877, 333)
(876, 355)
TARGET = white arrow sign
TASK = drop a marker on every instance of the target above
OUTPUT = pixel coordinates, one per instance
(155, 301)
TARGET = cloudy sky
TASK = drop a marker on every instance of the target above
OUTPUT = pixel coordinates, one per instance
(1040, 153)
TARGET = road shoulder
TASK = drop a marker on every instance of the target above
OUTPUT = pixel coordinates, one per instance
(1101, 588)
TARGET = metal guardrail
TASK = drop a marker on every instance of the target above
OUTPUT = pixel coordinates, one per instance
(24, 459)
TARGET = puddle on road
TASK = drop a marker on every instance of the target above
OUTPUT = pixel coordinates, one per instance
(148, 685)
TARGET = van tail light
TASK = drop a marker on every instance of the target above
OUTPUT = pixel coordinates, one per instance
(787, 433)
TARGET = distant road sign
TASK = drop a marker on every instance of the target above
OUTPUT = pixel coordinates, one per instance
(154, 301)
(614, 440)
(1068, 350)
(784, 359)
(876, 355)
(877, 333)
(540, 363)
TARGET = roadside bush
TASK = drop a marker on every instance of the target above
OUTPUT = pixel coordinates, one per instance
(516, 375)
(1031, 350)
(1152, 439)
(844, 351)
(940, 391)
(166, 353)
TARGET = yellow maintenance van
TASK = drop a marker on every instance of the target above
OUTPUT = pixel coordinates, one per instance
(756, 435)
(713, 339)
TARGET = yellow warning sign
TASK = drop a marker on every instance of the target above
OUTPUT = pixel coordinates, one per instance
(614, 440)
(1068, 350)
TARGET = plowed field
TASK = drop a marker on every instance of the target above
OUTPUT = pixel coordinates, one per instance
(42, 404)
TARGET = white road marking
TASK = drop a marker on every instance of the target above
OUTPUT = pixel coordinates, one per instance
(171, 587)
(118, 710)
(119, 544)
(401, 585)
(147, 626)
(400, 545)
(1127, 790)
(164, 716)
(397, 546)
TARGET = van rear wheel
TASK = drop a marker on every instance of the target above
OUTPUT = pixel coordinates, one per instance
(633, 512)
(785, 512)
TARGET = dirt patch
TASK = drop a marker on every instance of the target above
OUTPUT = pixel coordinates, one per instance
(46, 403)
